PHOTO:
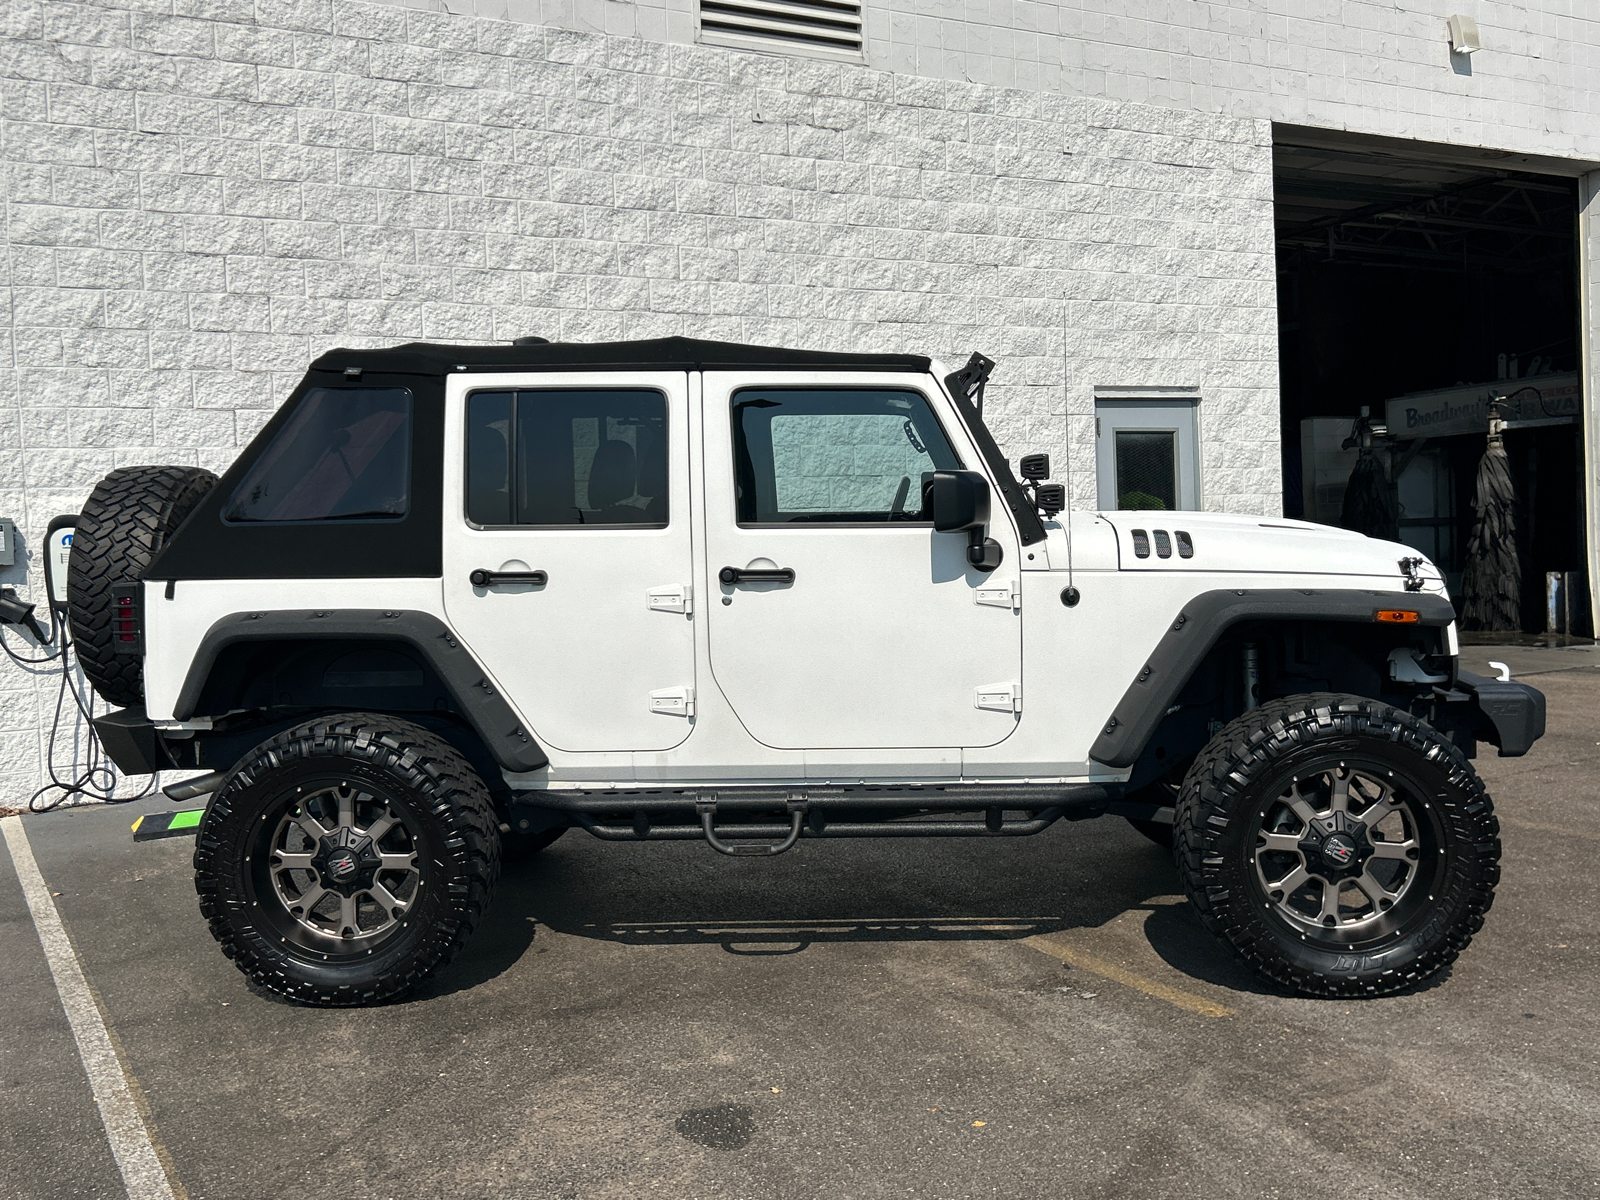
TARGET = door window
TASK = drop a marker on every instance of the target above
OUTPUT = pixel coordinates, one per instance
(826, 455)
(567, 457)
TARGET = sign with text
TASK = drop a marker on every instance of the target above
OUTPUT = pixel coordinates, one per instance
(1548, 399)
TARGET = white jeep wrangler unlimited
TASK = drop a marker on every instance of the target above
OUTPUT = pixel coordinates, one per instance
(455, 600)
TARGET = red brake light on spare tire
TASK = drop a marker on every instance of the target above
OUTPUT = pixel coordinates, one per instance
(125, 618)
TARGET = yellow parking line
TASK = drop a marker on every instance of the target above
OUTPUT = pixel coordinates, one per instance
(1109, 970)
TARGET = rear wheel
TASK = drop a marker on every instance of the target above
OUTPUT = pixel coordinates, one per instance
(1340, 846)
(347, 860)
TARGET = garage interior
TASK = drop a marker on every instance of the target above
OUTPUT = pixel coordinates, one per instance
(1411, 268)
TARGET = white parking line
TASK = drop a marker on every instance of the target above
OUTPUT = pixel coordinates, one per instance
(142, 1172)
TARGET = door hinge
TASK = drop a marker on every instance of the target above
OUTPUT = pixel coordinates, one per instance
(999, 697)
(671, 597)
(674, 702)
(999, 595)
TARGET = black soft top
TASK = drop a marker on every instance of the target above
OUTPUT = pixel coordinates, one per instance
(670, 353)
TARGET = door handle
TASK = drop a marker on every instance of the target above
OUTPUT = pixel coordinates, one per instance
(756, 574)
(486, 579)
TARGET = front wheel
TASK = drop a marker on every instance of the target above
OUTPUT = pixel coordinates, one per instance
(346, 860)
(1342, 847)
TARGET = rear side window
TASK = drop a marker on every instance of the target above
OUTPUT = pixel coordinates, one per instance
(344, 454)
(846, 455)
(591, 456)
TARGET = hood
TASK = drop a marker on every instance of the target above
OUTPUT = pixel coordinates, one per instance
(1198, 541)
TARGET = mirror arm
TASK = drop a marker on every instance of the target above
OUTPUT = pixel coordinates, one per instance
(983, 552)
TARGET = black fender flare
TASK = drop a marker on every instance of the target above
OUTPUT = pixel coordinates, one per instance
(1204, 619)
(480, 701)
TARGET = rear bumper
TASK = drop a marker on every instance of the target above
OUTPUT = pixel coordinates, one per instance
(131, 742)
(1507, 714)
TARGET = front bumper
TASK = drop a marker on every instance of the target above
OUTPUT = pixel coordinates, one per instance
(1504, 713)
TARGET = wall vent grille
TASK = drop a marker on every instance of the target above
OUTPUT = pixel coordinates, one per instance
(831, 28)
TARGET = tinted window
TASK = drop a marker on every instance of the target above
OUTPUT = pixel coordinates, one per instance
(570, 457)
(344, 453)
(1147, 469)
(835, 454)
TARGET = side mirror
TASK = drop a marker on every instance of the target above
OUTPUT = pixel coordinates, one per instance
(960, 501)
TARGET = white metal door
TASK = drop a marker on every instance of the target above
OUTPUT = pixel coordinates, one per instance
(885, 637)
(584, 480)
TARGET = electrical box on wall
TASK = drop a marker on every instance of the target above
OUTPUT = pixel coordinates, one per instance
(8, 542)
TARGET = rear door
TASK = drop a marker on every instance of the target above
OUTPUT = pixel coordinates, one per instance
(572, 505)
(884, 637)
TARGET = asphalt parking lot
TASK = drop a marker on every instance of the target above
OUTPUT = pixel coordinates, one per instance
(1035, 1018)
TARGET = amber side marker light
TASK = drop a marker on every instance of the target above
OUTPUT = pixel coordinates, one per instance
(1396, 616)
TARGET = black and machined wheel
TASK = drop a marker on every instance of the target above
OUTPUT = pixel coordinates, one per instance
(346, 860)
(1341, 846)
(129, 517)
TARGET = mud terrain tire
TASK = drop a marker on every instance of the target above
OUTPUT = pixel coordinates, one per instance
(1377, 894)
(272, 891)
(130, 516)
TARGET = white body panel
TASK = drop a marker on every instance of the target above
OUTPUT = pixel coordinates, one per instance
(1225, 544)
(173, 629)
(1082, 659)
(881, 641)
(871, 667)
(583, 657)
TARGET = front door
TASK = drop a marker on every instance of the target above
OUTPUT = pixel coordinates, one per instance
(848, 622)
(567, 563)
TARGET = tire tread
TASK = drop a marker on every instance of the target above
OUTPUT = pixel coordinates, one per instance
(456, 798)
(1248, 748)
(128, 518)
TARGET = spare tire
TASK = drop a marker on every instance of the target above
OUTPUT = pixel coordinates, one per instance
(130, 516)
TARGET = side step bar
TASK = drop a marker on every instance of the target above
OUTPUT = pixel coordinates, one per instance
(693, 813)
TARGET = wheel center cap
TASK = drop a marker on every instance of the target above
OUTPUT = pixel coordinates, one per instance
(1336, 847)
(346, 860)
(1339, 851)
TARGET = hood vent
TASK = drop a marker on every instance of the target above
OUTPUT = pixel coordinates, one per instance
(831, 28)
(1141, 544)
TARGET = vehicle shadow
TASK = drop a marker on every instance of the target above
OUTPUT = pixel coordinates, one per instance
(1177, 935)
(659, 894)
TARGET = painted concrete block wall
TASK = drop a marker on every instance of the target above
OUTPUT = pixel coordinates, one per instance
(1376, 67)
(201, 196)
(1364, 65)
